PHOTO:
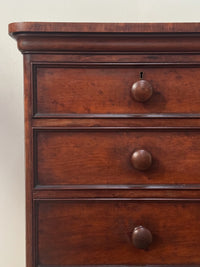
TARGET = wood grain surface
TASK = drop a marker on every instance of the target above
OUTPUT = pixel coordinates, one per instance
(84, 197)
(105, 89)
(99, 232)
(104, 157)
(36, 27)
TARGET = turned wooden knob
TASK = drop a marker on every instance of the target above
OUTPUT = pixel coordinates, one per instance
(141, 237)
(141, 160)
(141, 91)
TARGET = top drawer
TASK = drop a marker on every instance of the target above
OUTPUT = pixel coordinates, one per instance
(104, 90)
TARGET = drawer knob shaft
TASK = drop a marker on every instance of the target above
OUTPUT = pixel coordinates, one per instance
(141, 91)
(141, 160)
(141, 237)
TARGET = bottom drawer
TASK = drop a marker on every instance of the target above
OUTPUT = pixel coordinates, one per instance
(100, 232)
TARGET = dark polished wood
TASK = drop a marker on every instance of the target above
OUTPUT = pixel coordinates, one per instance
(161, 192)
(141, 237)
(65, 156)
(30, 238)
(92, 228)
(36, 27)
(164, 122)
(112, 123)
(106, 89)
(141, 91)
(57, 43)
(112, 37)
(102, 37)
(141, 160)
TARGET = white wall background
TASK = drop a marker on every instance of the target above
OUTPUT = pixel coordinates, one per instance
(12, 183)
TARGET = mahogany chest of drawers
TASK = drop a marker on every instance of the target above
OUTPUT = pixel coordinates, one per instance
(112, 122)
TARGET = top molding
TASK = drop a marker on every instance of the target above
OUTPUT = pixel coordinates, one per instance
(58, 37)
(64, 27)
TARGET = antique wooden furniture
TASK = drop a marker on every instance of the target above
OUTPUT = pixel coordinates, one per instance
(112, 120)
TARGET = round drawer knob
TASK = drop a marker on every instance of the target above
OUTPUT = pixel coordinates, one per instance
(141, 237)
(141, 91)
(141, 160)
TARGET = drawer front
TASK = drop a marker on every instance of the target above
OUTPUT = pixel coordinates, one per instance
(66, 90)
(100, 232)
(76, 157)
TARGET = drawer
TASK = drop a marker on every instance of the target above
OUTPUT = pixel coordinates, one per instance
(102, 232)
(116, 156)
(65, 90)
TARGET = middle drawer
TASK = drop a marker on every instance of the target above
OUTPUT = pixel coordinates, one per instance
(119, 156)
